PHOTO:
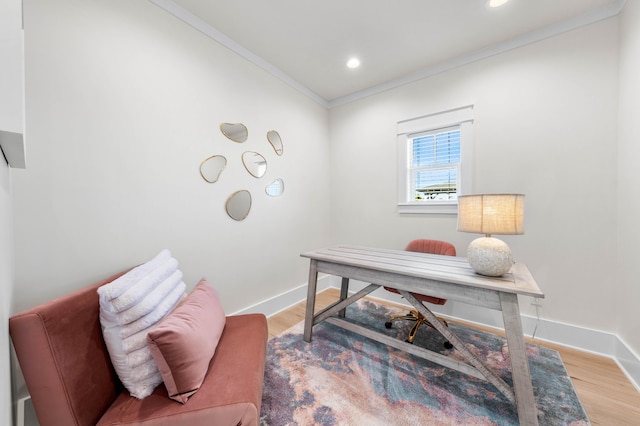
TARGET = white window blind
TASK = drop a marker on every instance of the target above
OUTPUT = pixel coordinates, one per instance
(434, 165)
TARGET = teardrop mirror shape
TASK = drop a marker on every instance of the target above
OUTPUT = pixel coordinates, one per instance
(212, 167)
(255, 163)
(239, 204)
(237, 132)
(276, 141)
(275, 188)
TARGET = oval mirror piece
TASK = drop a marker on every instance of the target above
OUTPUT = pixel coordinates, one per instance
(237, 132)
(211, 168)
(255, 163)
(276, 142)
(275, 188)
(239, 205)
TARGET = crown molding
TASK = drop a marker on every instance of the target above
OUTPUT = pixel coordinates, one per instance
(209, 31)
(600, 14)
(605, 12)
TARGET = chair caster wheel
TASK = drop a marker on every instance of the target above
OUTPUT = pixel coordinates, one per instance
(448, 345)
(387, 324)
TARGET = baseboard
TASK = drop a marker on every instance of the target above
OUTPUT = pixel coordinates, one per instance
(593, 341)
(629, 362)
(286, 299)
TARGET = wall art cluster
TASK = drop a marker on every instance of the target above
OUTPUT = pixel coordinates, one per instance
(238, 204)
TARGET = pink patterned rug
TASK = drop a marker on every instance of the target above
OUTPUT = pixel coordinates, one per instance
(341, 378)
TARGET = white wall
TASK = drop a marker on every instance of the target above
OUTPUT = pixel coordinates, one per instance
(545, 126)
(123, 103)
(11, 119)
(6, 290)
(11, 71)
(629, 180)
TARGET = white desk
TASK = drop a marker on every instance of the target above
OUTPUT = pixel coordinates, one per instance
(447, 277)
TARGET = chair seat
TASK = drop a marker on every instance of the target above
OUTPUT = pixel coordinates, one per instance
(422, 297)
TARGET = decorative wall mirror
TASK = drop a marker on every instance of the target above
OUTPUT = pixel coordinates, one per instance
(239, 205)
(276, 142)
(275, 188)
(237, 132)
(211, 168)
(255, 163)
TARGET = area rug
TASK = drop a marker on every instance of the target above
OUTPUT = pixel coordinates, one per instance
(341, 378)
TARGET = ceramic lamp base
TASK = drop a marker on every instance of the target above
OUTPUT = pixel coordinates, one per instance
(489, 256)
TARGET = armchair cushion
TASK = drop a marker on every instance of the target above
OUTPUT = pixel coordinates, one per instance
(230, 395)
(184, 342)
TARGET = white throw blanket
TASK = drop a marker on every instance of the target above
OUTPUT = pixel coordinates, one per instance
(120, 285)
(134, 294)
(129, 307)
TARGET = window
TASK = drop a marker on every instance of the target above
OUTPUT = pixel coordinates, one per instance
(434, 161)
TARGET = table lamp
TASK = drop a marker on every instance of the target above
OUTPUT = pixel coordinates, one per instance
(491, 214)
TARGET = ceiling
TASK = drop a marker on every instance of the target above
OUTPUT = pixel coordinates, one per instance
(307, 44)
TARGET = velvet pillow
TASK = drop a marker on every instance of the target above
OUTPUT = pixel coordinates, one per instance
(184, 342)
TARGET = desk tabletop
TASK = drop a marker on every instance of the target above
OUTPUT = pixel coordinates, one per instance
(451, 269)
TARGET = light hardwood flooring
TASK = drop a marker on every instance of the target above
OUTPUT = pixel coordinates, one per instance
(605, 392)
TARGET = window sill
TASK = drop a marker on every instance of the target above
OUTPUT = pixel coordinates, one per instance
(429, 208)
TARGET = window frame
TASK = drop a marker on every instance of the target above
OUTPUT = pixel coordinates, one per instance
(461, 118)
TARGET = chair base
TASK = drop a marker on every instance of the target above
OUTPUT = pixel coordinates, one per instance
(419, 320)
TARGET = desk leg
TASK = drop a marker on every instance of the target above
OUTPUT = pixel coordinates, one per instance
(522, 387)
(344, 291)
(311, 299)
(476, 362)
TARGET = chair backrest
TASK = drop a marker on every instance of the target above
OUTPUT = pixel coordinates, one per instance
(64, 359)
(432, 247)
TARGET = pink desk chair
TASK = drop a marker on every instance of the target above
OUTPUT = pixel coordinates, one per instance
(432, 247)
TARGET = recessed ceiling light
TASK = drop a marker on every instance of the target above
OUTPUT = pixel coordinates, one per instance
(353, 63)
(496, 3)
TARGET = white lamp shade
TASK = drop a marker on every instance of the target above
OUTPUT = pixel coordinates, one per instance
(491, 214)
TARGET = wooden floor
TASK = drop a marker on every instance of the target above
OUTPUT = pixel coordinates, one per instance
(605, 392)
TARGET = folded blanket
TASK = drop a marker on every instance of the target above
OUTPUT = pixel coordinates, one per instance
(134, 294)
(122, 284)
(129, 307)
(163, 306)
(139, 357)
(150, 300)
